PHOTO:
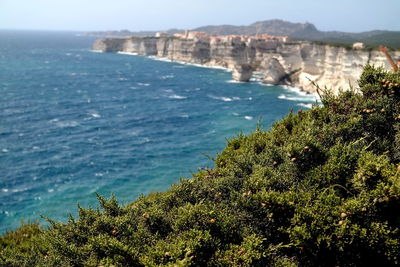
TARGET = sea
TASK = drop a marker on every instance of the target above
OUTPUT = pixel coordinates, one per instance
(74, 123)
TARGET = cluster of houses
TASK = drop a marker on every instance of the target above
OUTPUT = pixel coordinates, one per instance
(194, 35)
(202, 36)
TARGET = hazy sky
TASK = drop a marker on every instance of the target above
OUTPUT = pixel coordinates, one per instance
(84, 15)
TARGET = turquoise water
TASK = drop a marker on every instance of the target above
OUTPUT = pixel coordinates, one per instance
(74, 122)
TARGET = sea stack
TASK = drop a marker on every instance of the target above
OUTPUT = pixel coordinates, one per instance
(274, 72)
(242, 72)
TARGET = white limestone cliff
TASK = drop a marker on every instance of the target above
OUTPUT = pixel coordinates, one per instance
(282, 61)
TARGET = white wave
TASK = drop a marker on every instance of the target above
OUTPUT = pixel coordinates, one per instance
(122, 79)
(127, 53)
(305, 105)
(189, 63)
(4, 189)
(67, 124)
(233, 81)
(177, 97)
(143, 140)
(164, 77)
(161, 59)
(17, 190)
(282, 96)
(265, 84)
(96, 51)
(143, 84)
(5, 150)
(191, 90)
(168, 90)
(95, 115)
(224, 98)
(249, 118)
(184, 116)
(235, 113)
(297, 98)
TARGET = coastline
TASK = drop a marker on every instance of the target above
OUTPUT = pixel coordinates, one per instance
(273, 60)
(256, 77)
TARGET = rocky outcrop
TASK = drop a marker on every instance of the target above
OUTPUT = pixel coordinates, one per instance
(242, 73)
(274, 72)
(297, 63)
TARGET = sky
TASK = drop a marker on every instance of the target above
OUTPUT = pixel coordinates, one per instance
(135, 15)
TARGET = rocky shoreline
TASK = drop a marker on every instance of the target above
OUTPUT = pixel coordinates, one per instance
(281, 60)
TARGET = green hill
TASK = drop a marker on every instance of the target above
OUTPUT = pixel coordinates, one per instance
(321, 188)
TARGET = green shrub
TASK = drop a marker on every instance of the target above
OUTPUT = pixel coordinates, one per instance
(321, 188)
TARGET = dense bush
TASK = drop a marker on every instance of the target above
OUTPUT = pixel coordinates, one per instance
(321, 188)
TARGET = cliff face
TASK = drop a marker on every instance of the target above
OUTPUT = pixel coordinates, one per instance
(281, 61)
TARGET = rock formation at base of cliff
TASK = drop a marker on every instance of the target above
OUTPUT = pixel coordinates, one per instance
(242, 73)
(282, 61)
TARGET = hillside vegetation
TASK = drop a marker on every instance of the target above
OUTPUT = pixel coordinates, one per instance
(321, 188)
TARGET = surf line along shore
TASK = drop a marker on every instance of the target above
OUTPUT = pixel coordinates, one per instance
(280, 60)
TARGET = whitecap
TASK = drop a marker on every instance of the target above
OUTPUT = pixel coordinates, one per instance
(234, 81)
(17, 190)
(184, 116)
(195, 89)
(223, 98)
(50, 190)
(249, 118)
(160, 59)
(4, 190)
(235, 113)
(282, 96)
(296, 98)
(168, 90)
(143, 84)
(189, 63)
(305, 105)
(95, 115)
(164, 77)
(145, 140)
(127, 53)
(66, 124)
(177, 97)
(134, 132)
(5, 150)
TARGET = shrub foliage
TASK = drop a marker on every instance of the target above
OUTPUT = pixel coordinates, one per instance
(321, 188)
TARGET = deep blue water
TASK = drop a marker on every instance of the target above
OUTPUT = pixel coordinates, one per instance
(74, 122)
